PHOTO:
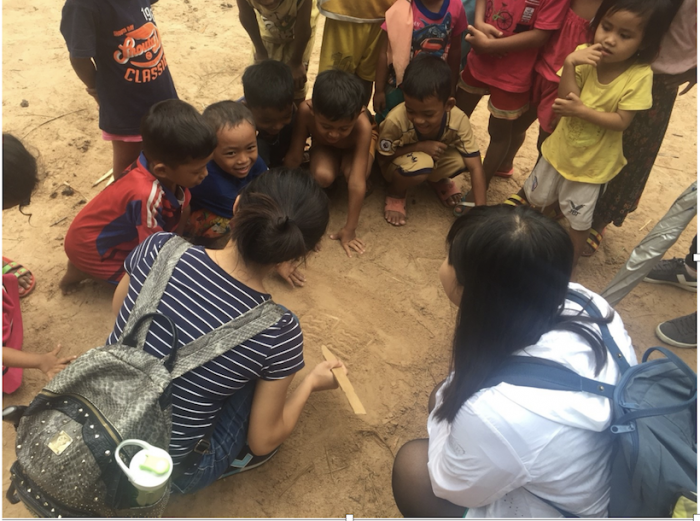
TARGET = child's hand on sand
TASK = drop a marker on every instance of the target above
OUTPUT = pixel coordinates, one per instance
(349, 241)
(588, 56)
(291, 274)
(322, 378)
(51, 365)
(434, 149)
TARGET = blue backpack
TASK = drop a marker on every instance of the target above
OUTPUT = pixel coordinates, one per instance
(653, 426)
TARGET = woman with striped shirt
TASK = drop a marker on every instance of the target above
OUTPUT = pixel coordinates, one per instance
(278, 219)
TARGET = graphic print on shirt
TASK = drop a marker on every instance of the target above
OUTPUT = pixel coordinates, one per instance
(283, 26)
(141, 51)
(432, 38)
(503, 18)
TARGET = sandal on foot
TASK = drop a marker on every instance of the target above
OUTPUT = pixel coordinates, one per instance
(515, 200)
(507, 174)
(462, 207)
(394, 204)
(445, 189)
(10, 267)
(592, 243)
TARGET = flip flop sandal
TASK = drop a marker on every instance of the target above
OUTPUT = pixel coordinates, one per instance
(462, 207)
(394, 204)
(516, 200)
(507, 174)
(593, 242)
(445, 189)
(14, 268)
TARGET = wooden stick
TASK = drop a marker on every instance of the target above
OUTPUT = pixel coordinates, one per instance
(107, 174)
(344, 383)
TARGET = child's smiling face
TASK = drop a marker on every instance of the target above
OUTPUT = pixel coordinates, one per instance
(427, 114)
(237, 149)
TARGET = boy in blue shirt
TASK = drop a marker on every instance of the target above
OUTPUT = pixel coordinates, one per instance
(235, 164)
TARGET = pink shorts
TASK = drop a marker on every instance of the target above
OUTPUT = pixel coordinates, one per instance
(544, 92)
(502, 104)
(116, 137)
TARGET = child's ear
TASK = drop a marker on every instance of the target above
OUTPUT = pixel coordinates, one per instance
(160, 170)
(450, 104)
(236, 204)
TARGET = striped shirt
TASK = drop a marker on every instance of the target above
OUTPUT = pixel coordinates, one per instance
(200, 297)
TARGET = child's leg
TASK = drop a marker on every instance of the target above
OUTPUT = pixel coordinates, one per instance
(450, 165)
(517, 138)
(467, 101)
(325, 164)
(469, 91)
(543, 186)
(402, 173)
(577, 201)
(123, 154)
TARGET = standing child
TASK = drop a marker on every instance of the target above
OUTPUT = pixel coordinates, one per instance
(574, 32)
(284, 31)
(116, 51)
(415, 27)
(342, 143)
(427, 138)
(602, 86)
(151, 196)
(268, 90)
(352, 37)
(505, 40)
(235, 164)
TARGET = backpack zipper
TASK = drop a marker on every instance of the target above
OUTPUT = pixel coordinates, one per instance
(111, 431)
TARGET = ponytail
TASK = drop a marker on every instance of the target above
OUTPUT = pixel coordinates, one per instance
(281, 216)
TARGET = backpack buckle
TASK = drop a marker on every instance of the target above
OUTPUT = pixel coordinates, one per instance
(202, 446)
(619, 429)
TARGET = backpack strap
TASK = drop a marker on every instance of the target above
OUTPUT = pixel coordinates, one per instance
(590, 308)
(152, 290)
(226, 337)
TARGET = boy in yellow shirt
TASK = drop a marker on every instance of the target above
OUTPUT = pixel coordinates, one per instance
(282, 30)
(602, 86)
(427, 138)
(352, 37)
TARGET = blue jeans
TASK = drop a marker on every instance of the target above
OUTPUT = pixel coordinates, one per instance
(227, 441)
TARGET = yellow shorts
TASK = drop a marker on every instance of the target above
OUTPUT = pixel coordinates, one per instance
(351, 47)
(414, 164)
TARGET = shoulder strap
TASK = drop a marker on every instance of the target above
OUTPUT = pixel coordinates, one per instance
(226, 337)
(153, 288)
(590, 308)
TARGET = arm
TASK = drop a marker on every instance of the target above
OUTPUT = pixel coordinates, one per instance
(454, 58)
(483, 44)
(295, 155)
(274, 415)
(433, 148)
(49, 363)
(479, 14)
(382, 74)
(586, 56)
(120, 294)
(87, 72)
(302, 35)
(246, 15)
(572, 106)
(476, 170)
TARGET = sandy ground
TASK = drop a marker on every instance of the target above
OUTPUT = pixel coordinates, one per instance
(383, 313)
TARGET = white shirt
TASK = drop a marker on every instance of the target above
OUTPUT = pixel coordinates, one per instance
(554, 443)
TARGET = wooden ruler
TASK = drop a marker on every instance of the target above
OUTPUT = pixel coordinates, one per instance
(344, 383)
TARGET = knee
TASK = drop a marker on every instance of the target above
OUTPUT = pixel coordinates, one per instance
(409, 471)
(500, 129)
(324, 177)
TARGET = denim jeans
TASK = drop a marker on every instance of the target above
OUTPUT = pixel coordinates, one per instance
(227, 441)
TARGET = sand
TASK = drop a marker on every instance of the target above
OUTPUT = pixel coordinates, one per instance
(383, 313)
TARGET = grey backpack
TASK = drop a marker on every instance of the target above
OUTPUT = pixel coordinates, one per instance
(67, 436)
(653, 427)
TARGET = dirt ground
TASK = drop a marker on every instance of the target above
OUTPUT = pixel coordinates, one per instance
(383, 313)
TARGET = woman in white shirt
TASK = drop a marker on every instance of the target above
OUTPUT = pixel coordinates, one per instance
(513, 451)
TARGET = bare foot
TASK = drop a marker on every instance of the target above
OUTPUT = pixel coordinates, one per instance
(447, 192)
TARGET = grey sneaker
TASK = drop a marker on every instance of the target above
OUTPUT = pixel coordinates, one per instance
(673, 272)
(680, 332)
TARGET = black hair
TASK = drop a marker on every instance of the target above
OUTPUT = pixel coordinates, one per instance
(514, 266)
(19, 173)
(281, 216)
(657, 16)
(427, 75)
(175, 133)
(268, 84)
(338, 95)
(223, 114)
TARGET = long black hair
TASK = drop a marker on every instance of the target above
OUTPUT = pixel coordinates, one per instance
(19, 173)
(514, 266)
(281, 216)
